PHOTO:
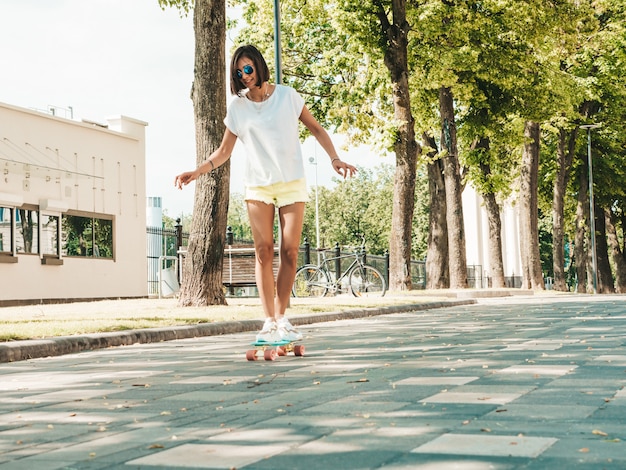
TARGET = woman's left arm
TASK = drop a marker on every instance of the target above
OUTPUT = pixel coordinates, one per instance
(341, 167)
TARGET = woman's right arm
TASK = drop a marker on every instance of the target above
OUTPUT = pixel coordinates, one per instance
(217, 158)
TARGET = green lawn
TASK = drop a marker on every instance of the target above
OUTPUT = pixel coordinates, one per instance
(41, 321)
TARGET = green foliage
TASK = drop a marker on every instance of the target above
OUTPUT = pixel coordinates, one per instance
(238, 218)
(171, 222)
(558, 63)
(184, 6)
(362, 205)
(345, 86)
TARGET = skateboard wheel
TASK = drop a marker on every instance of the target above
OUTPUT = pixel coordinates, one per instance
(281, 351)
(270, 354)
(251, 355)
(298, 349)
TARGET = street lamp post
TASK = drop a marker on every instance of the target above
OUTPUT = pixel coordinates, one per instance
(313, 161)
(592, 216)
(277, 54)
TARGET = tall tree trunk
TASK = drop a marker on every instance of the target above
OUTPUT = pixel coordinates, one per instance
(202, 269)
(452, 178)
(495, 224)
(405, 147)
(495, 240)
(437, 268)
(565, 156)
(529, 211)
(605, 276)
(623, 225)
(580, 251)
(617, 255)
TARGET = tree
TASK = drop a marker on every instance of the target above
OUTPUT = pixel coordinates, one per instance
(360, 205)
(437, 267)
(529, 211)
(616, 252)
(481, 151)
(394, 35)
(452, 180)
(202, 269)
(565, 153)
(596, 64)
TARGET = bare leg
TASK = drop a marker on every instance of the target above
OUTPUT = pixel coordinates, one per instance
(261, 217)
(291, 218)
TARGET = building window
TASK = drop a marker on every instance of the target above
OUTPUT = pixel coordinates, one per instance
(27, 233)
(88, 237)
(50, 234)
(6, 231)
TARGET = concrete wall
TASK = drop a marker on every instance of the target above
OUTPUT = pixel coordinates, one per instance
(65, 167)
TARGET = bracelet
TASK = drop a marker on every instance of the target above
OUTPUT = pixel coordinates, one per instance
(212, 165)
(333, 160)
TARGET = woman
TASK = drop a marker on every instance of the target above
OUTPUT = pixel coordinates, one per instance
(265, 117)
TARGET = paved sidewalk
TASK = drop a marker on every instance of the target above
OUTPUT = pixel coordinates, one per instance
(517, 382)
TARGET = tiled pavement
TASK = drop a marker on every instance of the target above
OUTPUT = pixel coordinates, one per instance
(506, 383)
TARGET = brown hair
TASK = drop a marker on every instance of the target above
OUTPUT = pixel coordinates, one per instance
(260, 67)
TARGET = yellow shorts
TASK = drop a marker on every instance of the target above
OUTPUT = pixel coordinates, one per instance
(279, 194)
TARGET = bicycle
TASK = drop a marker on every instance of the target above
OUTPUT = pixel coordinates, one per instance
(362, 279)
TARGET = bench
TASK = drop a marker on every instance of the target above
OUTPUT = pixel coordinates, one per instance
(238, 268)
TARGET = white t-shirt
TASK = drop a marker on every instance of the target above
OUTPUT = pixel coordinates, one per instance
(269, 132)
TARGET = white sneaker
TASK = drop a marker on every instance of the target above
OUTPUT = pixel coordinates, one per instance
(287, 330)
(269, 333)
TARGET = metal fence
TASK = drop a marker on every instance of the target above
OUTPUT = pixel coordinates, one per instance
(164, 245)
(162, 252)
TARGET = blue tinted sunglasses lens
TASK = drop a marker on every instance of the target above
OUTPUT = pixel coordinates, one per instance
(247, 69)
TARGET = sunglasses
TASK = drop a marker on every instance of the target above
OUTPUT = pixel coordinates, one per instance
(247, 69)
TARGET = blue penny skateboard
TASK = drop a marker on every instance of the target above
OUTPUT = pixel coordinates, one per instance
(270, 351)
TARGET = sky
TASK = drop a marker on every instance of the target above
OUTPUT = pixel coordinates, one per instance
(105, 58)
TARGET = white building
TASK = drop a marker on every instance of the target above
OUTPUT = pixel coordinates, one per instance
(477, 238)
(72, 208)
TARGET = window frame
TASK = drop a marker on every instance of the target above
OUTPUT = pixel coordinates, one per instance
(93, 217)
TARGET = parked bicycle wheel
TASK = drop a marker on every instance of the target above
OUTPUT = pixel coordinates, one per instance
(311, 281)
(367, 281)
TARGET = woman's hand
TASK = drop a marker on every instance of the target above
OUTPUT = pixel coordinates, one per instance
(343, 168)
(185, 178)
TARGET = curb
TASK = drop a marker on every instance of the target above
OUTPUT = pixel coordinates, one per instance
(58, 346)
